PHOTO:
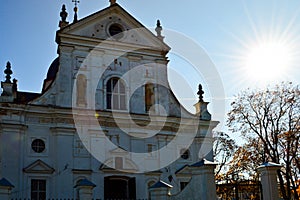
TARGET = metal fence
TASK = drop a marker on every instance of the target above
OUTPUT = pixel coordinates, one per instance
(70, 199)
(240, 190)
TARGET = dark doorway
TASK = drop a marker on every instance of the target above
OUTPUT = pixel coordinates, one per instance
(119, 187)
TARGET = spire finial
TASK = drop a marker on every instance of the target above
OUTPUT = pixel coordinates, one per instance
(63, 15)
(75, 10)
(112, 2)
(15, 85)
(200, 93)
(8, 72)
(158, 30)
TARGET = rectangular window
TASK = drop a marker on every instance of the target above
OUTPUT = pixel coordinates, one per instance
(119, 163)
(115, 94)
(151, 149)
(149, 96)
(38, 189)
(183, 185)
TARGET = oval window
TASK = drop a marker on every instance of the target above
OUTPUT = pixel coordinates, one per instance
(116, 31)
(38, 145)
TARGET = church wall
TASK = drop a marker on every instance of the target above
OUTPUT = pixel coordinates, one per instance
(86, 64)
(63, 149)
(11, 153)
(66, 154)
(79, 62)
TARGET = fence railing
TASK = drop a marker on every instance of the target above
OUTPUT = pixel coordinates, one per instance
(72, 199)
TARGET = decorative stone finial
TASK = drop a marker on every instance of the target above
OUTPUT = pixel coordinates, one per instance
(200, 93)
(75, 15)
(201, 106)
(63, 14)
(158, 27)
(158, 30)
(8, 72)
(15, 85)
(75, 10)
(112, 2)
(9, 88)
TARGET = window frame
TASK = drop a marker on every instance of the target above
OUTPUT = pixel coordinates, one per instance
(38, 190)
(36, 148)
(111, 94)
(151, 150)
(119, 162)
(149, 90)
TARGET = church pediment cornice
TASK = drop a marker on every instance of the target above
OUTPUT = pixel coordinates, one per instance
(95, 28)
(39, 167)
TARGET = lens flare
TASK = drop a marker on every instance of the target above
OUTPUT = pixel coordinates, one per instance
(267, 61)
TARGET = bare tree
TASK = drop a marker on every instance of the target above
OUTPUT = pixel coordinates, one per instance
(271, 117)
(224, 148)
(246, 159)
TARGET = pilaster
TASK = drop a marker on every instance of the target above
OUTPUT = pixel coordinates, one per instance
(204, 184)
(5, 189)
(268, 176)
(160, 190)
(85, 189)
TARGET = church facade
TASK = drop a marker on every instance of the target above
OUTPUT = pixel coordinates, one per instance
(106, 124)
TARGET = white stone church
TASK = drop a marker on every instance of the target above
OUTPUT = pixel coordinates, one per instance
(106, 124)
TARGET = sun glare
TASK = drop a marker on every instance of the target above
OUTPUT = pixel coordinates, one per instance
(267, 62)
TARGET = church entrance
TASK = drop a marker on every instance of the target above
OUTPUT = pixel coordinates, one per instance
(119, 187)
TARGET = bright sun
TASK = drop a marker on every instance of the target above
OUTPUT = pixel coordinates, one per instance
(267, 62)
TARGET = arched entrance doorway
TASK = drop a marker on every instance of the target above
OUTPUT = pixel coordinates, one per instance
(119, 187)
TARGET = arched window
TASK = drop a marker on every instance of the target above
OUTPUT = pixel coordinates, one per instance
(149, 96)
(119, 187)
(115, 94)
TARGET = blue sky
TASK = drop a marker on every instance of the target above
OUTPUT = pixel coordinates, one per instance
(226, 30)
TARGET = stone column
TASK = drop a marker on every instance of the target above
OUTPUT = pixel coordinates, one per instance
(203, 185)
(160, 191)
(85, 189)
(268, 176)
(5, 189)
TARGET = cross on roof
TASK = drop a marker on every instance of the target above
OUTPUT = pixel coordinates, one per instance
(75, 2)
(112, 2)
(75, 10)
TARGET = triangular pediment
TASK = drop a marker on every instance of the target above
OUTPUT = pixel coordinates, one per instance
(128, 166)
(40, 167)
(98, 27)
(184, 170)
(118, 150)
